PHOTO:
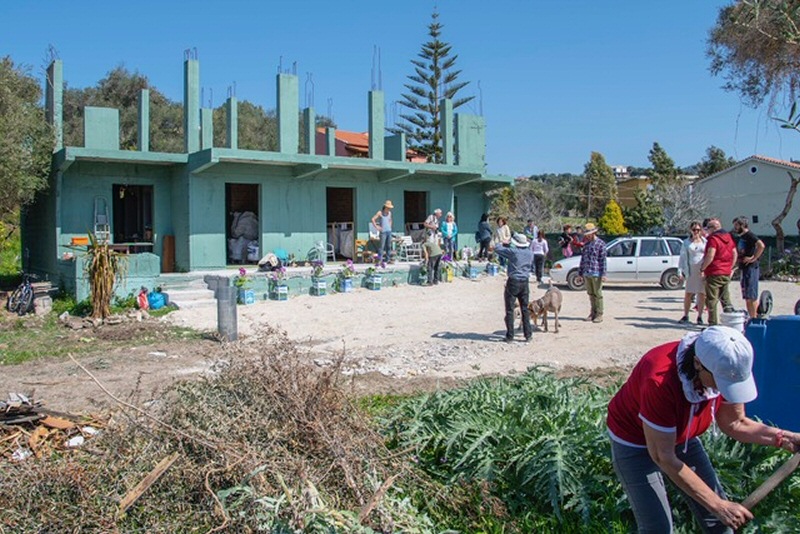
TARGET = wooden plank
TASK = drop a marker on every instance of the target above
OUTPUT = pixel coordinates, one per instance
(146, 482)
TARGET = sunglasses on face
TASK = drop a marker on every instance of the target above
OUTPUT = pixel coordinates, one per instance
(696, 229)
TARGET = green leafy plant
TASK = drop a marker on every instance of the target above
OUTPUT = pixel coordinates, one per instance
(242, 281)
(348, 270)
(372, 270)
(317, 268)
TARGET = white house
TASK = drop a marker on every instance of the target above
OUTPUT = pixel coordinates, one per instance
(756, 187)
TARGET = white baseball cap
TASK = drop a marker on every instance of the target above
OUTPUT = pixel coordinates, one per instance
(729, 356)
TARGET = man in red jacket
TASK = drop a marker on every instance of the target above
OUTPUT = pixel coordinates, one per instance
(717, 268)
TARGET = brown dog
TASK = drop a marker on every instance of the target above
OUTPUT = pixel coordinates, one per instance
(550, 302)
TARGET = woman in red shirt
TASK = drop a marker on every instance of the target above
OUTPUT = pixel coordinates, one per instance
(673, 395)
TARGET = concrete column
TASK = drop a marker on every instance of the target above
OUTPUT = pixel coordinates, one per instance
(232, 112)
(54, 97)
(144, 121)
(191, 105)
(446, 129)
(376, 124)
(288, 104)
(396, 147)
(227, 318)
(330, 141)
(310, 120)
(207, 128)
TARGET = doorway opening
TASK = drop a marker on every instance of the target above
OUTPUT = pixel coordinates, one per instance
(415, 212)
(132, 206)
(242, 228)
(340, 213)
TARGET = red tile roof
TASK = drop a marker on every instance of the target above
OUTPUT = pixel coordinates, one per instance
(766, 159)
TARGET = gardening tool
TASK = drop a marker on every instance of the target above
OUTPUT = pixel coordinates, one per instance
(781, 474)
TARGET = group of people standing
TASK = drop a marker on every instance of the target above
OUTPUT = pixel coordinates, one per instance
(708, 259)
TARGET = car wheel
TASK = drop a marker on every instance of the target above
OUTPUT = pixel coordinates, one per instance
(575, 281)
(671, 279)
(764, 304)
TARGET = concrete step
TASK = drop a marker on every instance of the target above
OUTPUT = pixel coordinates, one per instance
(190, 297)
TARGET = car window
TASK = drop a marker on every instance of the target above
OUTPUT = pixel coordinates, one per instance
(675, 246)
(653, 247)
(622, 249)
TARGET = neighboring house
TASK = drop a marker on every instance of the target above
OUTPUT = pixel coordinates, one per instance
(190, 211)
(620, 172)
(356, 145)
(756, 187)
(627, 188)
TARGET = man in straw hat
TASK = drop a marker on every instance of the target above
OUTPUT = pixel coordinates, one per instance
(519, 258)
(593, 270)
(382, 220)
(672, 396)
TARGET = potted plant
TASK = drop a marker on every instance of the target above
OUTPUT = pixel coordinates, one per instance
(448, 268)
(492, 268)
(318, 285)
(277, 284)
(242, 283)
(345, 278)
(423, 272)
(373, 276)
(471, 271)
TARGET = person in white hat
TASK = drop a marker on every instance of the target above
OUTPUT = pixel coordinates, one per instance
(519, 258)
(672, 396)
(593, 269)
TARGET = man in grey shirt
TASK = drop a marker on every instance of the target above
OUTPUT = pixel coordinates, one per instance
(520, 262)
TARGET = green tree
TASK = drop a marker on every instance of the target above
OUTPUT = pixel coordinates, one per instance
(645, 216)
(612, 221)
(26, 143)
(434, 78)
(664, 169)
(754, 47)
(714, 162)
(600, 185)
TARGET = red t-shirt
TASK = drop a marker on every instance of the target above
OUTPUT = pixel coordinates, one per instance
(722, 264)
(653, 395)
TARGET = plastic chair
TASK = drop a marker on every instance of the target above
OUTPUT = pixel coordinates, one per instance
(330, 252)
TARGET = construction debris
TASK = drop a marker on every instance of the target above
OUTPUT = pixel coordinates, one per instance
(28, 429)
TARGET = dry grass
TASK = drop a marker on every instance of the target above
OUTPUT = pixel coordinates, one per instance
(268, 444)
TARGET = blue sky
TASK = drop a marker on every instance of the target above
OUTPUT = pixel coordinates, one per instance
(558, 79)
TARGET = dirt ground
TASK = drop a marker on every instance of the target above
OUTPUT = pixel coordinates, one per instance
(398, 339)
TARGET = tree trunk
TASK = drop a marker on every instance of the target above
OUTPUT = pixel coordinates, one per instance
(776, 222)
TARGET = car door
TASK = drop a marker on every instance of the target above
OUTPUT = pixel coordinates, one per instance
(621, 260)
(654, 259)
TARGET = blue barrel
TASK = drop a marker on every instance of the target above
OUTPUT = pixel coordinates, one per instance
(776, 368)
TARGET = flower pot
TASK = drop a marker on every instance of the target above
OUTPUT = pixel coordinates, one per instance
(492, 269)
(447, 275)
(278, 291)
(374, 282)
(347, 285)
(319, 287)
(247, 296)
(471, 273)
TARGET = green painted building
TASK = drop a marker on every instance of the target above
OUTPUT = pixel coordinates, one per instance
(178, 211)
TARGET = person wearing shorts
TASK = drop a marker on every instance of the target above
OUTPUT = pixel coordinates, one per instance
(750, 248)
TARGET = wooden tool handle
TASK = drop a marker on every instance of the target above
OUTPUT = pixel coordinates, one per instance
(772, 482)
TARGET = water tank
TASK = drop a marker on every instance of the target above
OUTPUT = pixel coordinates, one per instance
(776, 367)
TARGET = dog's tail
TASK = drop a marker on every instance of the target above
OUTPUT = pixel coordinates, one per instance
(551, 283)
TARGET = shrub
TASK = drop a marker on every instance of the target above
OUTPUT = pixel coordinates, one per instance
(612, 222)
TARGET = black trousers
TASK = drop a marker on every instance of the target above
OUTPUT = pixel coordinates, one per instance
(517, 291)
(538, 265)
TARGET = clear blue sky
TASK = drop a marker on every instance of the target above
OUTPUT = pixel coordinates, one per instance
(558, 79)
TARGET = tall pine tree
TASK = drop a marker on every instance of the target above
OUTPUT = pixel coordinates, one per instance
(600, 186)
(434, 78)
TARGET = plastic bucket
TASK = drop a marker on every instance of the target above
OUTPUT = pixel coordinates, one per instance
(735, 320)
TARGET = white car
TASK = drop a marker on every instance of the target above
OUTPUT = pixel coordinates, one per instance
(633, 259)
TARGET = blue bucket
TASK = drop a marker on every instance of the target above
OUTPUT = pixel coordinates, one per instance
(776, 368)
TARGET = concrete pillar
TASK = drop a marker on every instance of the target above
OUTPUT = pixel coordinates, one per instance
(310, 120)
(191, 105)
(144, 121)
(232, 112)
(396, 147)
(446, 129)
(288, 104)
(227, 319)
(54, 97)
(330, 141)
(376, 124)
(207, 128)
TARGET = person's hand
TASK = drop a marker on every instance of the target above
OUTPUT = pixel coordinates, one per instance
(733, 514)
(789, 441)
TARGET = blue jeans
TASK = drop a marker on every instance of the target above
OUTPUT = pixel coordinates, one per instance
(385, 248)
(644, 485)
